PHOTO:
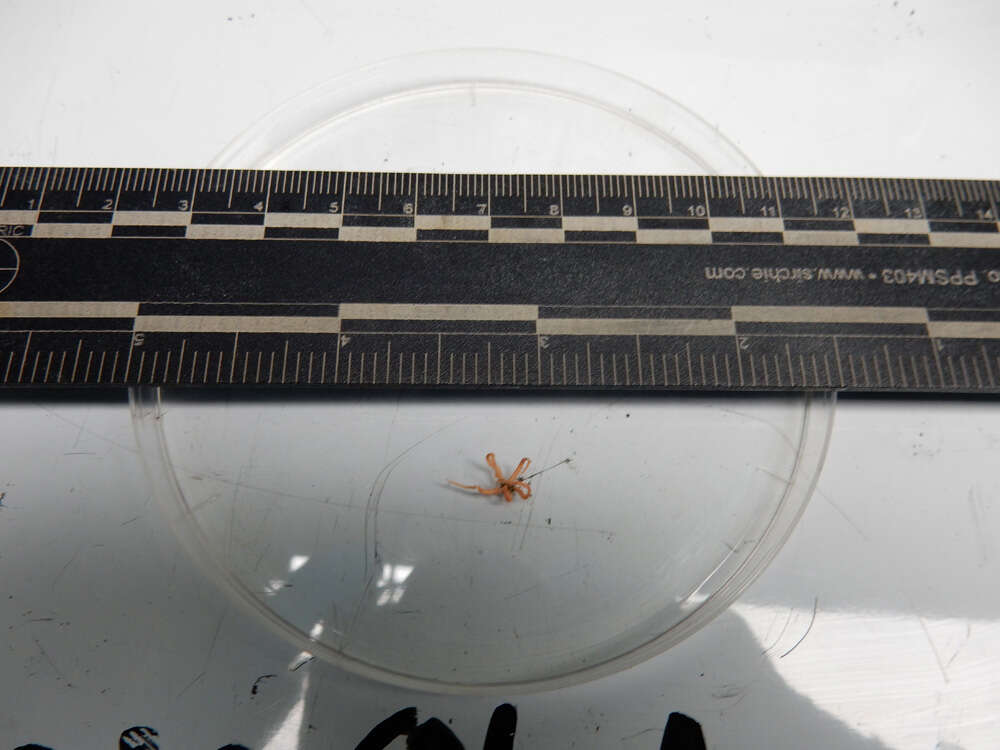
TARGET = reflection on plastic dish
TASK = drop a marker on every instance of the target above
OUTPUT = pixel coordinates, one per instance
(331, 516)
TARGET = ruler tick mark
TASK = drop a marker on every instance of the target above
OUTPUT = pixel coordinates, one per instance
(638, 359)
(76, 360)
(142, 364)
(114, 367)
(24, 357)
(936, 351)
(989, 369)
(180, 362)
(232, 363)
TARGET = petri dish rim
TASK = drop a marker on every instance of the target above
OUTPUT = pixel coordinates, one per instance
(427, 74)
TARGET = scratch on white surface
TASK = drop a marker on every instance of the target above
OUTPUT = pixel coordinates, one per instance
(640, 733)
(531, 504)
(968, 635)
(104, 438)
(378, 487)
(45, 655)
(982, 541)
(781, 433)
(788, 620)
(312, 12)
(783, 480)
(64, 568)
(215, 636)
(843, 514)
(189, 685)
(934, 650)
(812, 621)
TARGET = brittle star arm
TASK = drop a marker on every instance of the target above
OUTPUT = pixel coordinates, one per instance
(480, 490)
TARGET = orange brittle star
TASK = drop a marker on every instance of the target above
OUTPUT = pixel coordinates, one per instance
(505, 485)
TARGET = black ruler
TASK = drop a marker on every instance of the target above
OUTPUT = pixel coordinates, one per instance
(225, 277)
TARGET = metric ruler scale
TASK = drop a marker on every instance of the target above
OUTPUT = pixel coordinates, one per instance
(225, 277)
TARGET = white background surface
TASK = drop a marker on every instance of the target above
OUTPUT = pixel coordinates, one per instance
(108, 625)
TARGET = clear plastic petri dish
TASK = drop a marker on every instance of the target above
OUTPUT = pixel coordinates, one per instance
(330, 515)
